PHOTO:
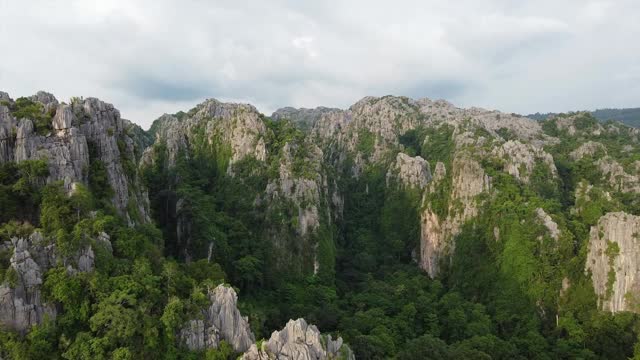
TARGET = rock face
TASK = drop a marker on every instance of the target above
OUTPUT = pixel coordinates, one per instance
(370, 131)
(21, 303)
(300, 192)
(617, 177)
(589, 148)
(409, 172)
(86, 131)
(548, 222)
(296, 190)
(521, 158)
(299, 341)
(614, 261)
(439, 226)
(238, 128)
(221, 321)
(304, 118)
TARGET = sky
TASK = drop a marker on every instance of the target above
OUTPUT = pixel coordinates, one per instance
(153, 57)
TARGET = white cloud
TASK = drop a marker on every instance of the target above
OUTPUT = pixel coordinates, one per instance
(305, 43)
(149, 57)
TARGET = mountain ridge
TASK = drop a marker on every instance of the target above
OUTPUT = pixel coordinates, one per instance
(382, 223)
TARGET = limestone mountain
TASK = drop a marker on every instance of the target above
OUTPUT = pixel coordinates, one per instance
(402, 226)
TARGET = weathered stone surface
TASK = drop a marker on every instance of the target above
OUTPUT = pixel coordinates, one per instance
(238, 127)
(589, 148)
(614, 261)
(617, 177)
(437, 230)
(48, 100)
(303, 189)
(548, 222)
(299, 341)
(84, 123)
(221, 321)
(21, 304)
(409, 172)
(522, 158)
(304, 118)
(63, 118)
(5, 96)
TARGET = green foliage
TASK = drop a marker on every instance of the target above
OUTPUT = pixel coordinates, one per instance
(20, 189)
(612, 252)
(498, 295)
(99, 182)
(25, 108)
(366, 142)
(223, 352)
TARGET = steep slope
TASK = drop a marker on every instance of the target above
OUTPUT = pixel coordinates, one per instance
(82, 142)
(403, 226)
(273, 168)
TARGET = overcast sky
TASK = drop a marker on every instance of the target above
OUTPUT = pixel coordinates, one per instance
(157, 56)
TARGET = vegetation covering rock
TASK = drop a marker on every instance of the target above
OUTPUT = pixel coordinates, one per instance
(402, 226)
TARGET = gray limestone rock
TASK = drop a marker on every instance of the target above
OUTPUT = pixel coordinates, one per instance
(548, 222)
(522, 158)
(617, 177)
(299, 341)
(614, 247)
(21, 303)
(84, 124)
(437, 231)
(589, 148)
(304, 118)
(409, 172)
(221, 321)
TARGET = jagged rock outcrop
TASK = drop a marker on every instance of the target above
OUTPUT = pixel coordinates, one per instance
(614, 262)
(589, 148)
(297, 188)
(520, 159)
(547, 221)
(409, 172)
(617, 177)
(301, 193)
(236, 127)
(376, 124)
(439, 226)
(304, 118)
(299, 341)
(220, 321)
(85, 128)
(21, 303)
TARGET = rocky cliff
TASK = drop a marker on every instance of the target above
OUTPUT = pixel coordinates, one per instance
(21, 303)
(299, 341)
(374, 132)
(614, 261)
(73, 138)
(233, 131)
(296, 199)
(220, 321)
(441, 222)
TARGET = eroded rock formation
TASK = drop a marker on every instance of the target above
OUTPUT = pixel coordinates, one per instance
(614, 261)
(83, 132)
(220, 321)
(409, 172)
(299, 341)
(21, 302)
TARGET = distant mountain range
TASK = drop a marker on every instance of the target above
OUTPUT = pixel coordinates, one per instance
(629, 116)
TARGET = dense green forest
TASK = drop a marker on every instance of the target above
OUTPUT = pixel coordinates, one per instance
(493, 299)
